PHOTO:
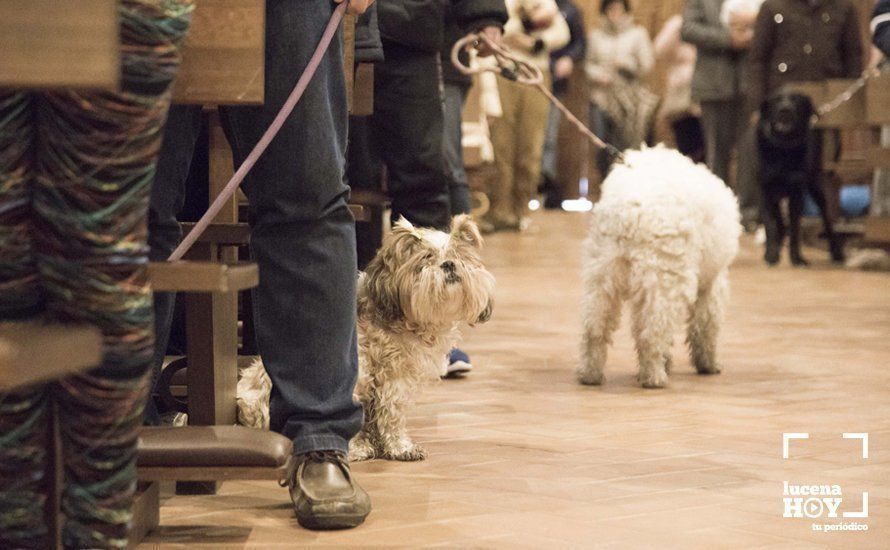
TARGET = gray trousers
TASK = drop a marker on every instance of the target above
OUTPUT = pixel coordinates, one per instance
(725, 127)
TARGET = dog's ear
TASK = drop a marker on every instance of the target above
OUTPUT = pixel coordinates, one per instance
(465, 230)
(378, 294)
(485, 316)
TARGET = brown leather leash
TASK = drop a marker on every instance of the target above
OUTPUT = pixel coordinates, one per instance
(509, 66)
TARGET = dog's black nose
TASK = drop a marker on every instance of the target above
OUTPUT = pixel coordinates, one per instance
(448, 266)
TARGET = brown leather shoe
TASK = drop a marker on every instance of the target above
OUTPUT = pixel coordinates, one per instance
(324, 494)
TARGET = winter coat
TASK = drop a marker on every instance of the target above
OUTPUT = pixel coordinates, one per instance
(803, 41)
(368, 48)
(462, 18)
(719, 68)
(609, 47)
(420, 24)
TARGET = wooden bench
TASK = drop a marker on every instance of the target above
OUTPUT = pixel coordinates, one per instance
(859, 116)
(32, 353)
(203, 454)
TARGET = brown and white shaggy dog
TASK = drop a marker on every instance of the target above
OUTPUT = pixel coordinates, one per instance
(418, 290)
(412, 298)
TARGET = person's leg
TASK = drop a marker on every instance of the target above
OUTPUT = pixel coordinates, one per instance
(718, 136)
(91, 199)
(23, 413)
(303, 239)
(549, 153)
(529, 148)
(454, 97)
(503, 139)
(407, 129)
(747, 184)
(167, 197)
(303, 235)
(601, 125)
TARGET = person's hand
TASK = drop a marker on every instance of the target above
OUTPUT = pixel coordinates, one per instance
(563, 67)
(740, 39)
(519, 41)
(755, 118)
(356, 7)
(492, 33)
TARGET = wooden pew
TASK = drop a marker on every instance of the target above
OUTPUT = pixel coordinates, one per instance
(203, 454)
(847, 120)
(31, 353)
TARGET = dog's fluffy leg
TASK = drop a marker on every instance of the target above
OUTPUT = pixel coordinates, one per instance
(602, 313)
(705, 318)
(663, 284)
(390, 421)
(361, 447)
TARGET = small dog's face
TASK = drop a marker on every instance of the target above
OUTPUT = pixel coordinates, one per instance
(429, 277)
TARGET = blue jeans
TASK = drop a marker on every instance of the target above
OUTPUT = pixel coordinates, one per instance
(303, 236)
(453, 99)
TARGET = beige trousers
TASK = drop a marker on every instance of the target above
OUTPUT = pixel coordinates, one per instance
(518, 140)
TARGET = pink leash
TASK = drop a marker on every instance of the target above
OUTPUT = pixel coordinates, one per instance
(267, 138)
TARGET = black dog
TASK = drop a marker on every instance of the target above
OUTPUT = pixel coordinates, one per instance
(790, 165)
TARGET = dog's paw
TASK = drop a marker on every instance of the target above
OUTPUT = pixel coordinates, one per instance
(360, 449)
(412, 453)
(668, 364)
(653, 380)
(589, 377)
(708, 369)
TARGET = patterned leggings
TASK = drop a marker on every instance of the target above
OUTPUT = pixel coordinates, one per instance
(75, 174)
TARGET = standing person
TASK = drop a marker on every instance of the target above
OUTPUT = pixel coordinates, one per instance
(407, 127)
(75, 178)
(535, 29)
(562, 65)
(717, 83)
(619, 55)
(489, 18)
(803, 41)
(303, 239)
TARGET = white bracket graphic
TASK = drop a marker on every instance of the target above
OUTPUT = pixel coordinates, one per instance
(862, 513)
(864, 438)
(786, 437)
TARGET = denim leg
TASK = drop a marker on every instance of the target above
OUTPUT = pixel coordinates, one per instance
(164, 233)
(303, 234)
(453, 99)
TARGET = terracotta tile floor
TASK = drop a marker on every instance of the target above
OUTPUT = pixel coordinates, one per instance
(523, 457)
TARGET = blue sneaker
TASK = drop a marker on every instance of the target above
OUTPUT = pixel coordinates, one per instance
(458, 364)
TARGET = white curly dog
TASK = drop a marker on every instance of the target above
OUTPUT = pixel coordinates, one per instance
(662, 236)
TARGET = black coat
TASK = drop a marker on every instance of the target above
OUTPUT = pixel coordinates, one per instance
(420, 24)
(461, 17)
(803, 41)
